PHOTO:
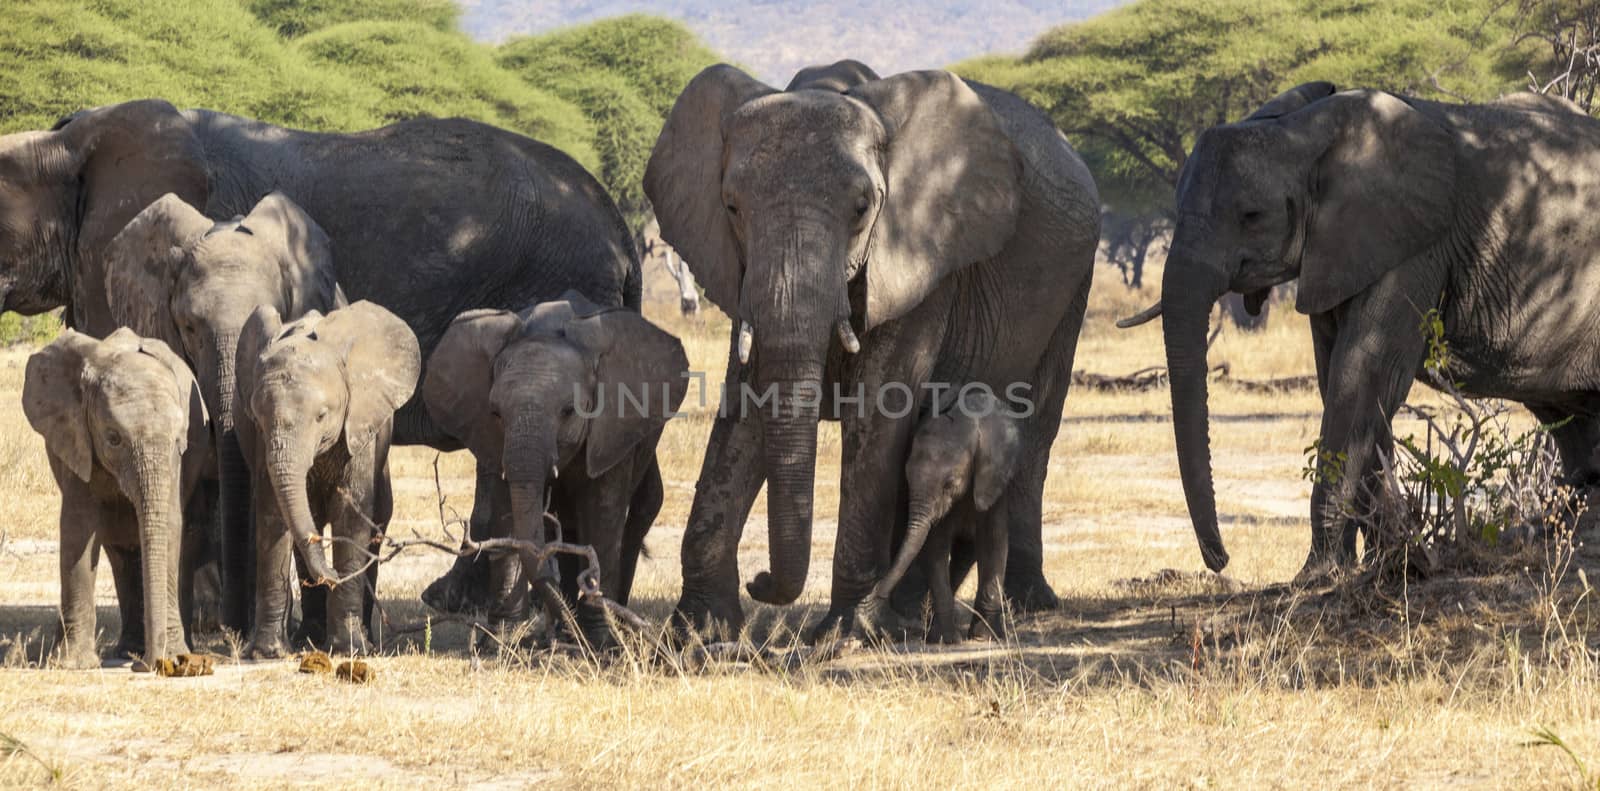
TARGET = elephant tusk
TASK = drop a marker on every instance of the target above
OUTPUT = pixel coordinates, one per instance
(747, 337)
(554, 473)
(847, 337)
(1142, 317)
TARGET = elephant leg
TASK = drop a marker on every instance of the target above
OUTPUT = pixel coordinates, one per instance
(1025, 583)
(599, 511)
(730, 478)
(642, 512)
(870, 501)
(274, 575)
(466, 586)
(1378, 350)
(128, 576)
(988, 620)
(313, 628)
(1577, 438)
(935, 559)
(347, 603)
(80, 554)
(200, 576)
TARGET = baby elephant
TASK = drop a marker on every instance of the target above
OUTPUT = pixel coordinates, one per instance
(125, 427)
(564, 399)
(318, 396)
(962, 458)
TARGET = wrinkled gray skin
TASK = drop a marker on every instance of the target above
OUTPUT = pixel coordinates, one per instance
(319, 397)
(962, 459)
(174, 274)
(951, 229)
(428, 217)
(534, 395)
(126, 431)
(1385, 207)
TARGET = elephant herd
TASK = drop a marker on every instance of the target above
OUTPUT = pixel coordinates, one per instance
(258, 314)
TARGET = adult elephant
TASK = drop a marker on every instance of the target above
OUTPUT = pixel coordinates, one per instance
(1386, 207)
(427, 218)
(874, 236)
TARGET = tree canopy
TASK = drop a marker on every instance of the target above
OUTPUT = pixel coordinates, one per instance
(598, 92)
(1134, 87)
(625, 73)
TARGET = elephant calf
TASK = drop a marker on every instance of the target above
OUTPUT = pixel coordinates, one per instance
(962, 459)
(318, 396)
(566, 400)
(126, 431)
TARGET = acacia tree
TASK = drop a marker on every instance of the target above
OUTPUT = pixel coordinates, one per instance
(1134, 87)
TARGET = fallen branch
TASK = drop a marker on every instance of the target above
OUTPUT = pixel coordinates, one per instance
(1156, 377)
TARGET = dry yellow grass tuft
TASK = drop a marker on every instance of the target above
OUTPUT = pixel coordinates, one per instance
(1165, 680)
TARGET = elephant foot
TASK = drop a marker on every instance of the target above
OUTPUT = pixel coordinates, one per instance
(78, 657)
(878, 621)
(350, 645)
(712, 621)
(987, 627)
(263, 647)
(944, 635)
(311, 632)
(463, 589)
(838, 623)
(1031, 594)
(1320, 569)
(129, 648)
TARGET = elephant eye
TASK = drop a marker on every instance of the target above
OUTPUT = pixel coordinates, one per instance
(862, 204)
(733, 210)
(323, 415)
(1250, 217)
(113, 439)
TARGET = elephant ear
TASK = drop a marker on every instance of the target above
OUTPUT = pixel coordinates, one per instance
(130, 155)
(459, 376)
(142, 265)
(302, 249)
(683, 180)
(637, 358)
(259, 330)
(52, 399)
(839, 77)
(1382, 193)
(187, 392)
(953, 188)
(1293, 99)
(999, 444)
(382, 362)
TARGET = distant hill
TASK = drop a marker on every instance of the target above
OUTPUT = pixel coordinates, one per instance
(775, 38)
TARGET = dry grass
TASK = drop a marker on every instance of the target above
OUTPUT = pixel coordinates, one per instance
(1175, 682)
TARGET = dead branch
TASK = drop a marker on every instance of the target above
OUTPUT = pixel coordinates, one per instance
(1156, 377)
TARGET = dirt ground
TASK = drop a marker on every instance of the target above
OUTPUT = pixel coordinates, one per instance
(1152, 674)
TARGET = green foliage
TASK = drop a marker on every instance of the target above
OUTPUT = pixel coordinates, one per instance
(624, 73)
(60, 56)
(293, 18)
(1134, 87)
(39, 330)
(419, 71)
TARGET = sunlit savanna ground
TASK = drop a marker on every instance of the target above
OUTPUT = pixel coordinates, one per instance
(1110, 692)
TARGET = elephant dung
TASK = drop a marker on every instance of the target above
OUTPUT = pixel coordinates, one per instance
(355, 672)
(316, 662)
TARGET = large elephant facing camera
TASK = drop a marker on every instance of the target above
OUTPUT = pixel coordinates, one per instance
(870, 234)
(427, 218)
(1387, 207)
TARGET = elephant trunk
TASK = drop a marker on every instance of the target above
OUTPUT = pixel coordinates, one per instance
(1189, 289)
(796, 293)
(920, 523)
(791, 461)
(156, 475)
(234, 542)
(286, 469)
